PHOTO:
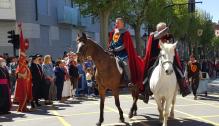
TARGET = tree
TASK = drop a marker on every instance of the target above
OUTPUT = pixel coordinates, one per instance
(157, 13)
(215, 42)
(101, 9)
(215, 46)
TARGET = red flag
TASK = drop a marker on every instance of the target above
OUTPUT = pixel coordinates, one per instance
(22, 42)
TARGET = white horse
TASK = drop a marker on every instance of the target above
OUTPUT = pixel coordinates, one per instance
(163, 82)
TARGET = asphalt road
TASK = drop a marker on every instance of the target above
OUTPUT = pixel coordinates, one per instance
(84, 111)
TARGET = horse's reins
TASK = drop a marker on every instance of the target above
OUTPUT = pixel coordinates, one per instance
(162, 63)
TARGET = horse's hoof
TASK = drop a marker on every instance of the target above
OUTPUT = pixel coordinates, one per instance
(98, 124)
(122, 120)
(171, 117)
(130, 115)
(135, 113)
(161, 119)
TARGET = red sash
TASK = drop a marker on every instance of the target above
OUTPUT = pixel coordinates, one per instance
(3, 81)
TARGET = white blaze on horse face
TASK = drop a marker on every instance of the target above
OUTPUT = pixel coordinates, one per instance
(80, 45)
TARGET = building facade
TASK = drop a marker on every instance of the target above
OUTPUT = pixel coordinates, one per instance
(50, 25)
(7, 22)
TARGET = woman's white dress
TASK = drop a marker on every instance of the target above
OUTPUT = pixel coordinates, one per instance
(66, 92)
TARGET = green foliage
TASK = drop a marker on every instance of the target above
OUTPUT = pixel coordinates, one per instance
(132, 11)
(215, 42)
(156, 12)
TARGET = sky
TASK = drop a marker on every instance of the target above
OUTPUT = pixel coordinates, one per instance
(210, 6)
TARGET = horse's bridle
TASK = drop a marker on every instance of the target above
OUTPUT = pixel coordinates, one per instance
(162, 63)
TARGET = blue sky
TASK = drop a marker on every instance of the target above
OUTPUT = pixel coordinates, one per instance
(211, 6)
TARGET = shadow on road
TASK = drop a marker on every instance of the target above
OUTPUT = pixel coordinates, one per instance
(10, 117)
(152, 120)
(208, 98)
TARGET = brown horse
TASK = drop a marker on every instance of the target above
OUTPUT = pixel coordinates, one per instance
(107, 74)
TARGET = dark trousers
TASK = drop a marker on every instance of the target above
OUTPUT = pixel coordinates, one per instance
(59, 86)
(46, 87)
(90, 90)
(4, 99)
(195, 84)
(36, 94)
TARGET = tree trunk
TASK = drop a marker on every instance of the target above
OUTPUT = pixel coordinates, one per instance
(138, 39)
(104, 26)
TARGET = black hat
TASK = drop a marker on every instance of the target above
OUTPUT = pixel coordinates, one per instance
(35, 56)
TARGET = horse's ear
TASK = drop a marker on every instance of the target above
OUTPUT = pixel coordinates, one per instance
(84, 35)
(161, 45)
(175, 44)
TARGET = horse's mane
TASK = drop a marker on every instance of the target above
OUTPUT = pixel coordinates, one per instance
(97, 45)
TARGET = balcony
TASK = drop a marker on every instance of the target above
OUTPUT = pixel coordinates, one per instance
(68, 15)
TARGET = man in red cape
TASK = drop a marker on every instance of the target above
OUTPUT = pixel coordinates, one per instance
(152, 52)
(23, 90)
(120, 43)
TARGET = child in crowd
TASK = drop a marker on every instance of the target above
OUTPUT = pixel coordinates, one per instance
(89, 76)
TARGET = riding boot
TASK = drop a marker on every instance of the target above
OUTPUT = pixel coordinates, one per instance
(147, 75)
(184, 89)
(32, 105)
(147, 92)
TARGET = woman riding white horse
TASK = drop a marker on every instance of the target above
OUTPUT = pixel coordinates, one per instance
(163, 82)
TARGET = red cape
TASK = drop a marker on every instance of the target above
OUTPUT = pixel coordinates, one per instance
(136, 64)
(148, 54)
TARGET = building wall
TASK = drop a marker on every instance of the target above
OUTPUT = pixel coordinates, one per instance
(217, 33)
(7, 10)
(6, 47)
(7, 23)
(46, 35)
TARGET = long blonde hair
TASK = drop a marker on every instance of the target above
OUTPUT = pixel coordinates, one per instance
(47, 59)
